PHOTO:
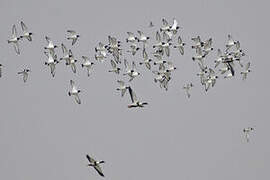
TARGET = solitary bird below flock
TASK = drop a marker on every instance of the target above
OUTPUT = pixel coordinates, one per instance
(95, 164)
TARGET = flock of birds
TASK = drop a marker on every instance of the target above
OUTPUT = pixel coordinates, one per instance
(154, 58)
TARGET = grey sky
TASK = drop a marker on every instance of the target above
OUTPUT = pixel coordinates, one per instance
(45, 135)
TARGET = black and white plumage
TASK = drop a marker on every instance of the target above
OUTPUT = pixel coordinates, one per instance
(95, 164)
(134, 100)
(74, 92)
(72, 35)
(26, 33)
(15, 39)
(87, 64)
(25, 74)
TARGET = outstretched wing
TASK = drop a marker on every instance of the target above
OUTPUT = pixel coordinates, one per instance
(98, 169)
(132, 95)
(91, 160)
(77, 99)
(158, 37)
(113, 64)
(14, 31)
(74, 41)
(71, 32)
(247, 66)
(72, 83)
(24, 27)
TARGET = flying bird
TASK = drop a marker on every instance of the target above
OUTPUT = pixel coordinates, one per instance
(87, 64)
(25, 74)
(134, 100)
(74, 92)
(73, 36)
(26, 34)
(15, 39)
(95, 164)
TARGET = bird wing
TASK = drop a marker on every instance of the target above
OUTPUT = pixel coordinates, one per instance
(179, 40)
(167, 51)
(25, 76)
(113, 64)
(73, 67)
(145, 56)
(247, 66)
(165, 22)
(16, 47)
(122, 83)
(72, 83)
(133, 65)
(198, 51)
(24, 27)
(85, 58)
(64, 49)
(158, 37)
(74, 41)
(90, 159)
(126, 64)
(71, 32)
(77, 99)
(130, 34)
(48, 39)
(140, 33)
(98, 169)
(181, 50)
(148, 65)
(14, 31)
(132, 95)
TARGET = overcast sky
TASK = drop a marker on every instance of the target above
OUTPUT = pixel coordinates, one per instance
(45, 135)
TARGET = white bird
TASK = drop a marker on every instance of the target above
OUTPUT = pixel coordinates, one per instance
(87, 64)
(100, 47)
(197, 41)
(165, 27)
(50, 45)
(187, 88)
(25, 74)
(230, 43)
(95, 164)
(159, 42)
(26, 33)
(174, 27)
(51, 62)
(123, 88)
(114, 69)
(220, 58)
(180, 45)
(134, 100)
(208, 46)
(142, 37)
(166, 47)
(247, 131)
(131, 71)
(246, 71)
(100, 57)
(131, 37)
(72, 62)
(199, 55)
(74, 92)
(73, 36)
(133, 49)
(146, 60)
(170, 67)
(66, 54)
(15, 39)
(211, 79)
